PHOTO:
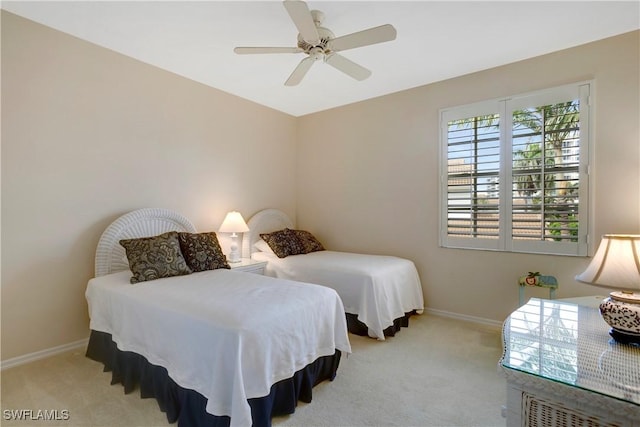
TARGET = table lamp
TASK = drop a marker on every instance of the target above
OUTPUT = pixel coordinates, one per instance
(616, 265)
(233, 223)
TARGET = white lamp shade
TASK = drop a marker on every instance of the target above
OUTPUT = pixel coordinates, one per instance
(233, 223)
(616, 264)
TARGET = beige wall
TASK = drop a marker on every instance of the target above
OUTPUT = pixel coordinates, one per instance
(87, 135)
(368, 175)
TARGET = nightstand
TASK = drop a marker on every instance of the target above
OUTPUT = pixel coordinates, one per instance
(248, 265)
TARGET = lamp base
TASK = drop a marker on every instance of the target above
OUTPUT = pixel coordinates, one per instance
(622, 312)
(234, 253)
(625, 337)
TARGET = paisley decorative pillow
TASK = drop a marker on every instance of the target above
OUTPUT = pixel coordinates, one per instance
(202, 251)
(309, 241)
(284, 242)
(155, 257)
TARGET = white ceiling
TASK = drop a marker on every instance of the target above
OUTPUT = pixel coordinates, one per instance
(436, 40)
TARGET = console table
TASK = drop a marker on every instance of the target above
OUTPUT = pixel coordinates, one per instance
(563, 369)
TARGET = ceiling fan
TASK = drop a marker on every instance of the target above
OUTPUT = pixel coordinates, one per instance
(319, 43)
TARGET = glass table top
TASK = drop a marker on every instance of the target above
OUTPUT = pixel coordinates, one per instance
(570, 343)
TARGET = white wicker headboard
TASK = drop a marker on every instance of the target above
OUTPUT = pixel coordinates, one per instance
(110, 255)
(265, 221)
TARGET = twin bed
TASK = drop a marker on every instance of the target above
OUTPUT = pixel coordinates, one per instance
(215, 347)
(218, 347)
(379, 293)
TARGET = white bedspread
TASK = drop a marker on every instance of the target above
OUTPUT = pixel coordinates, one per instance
(377, 288)
(228, 335)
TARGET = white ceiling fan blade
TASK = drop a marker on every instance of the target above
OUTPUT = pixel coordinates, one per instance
(259, 50)
(301, 17)
(347, 66)
(383, 33)
(300, 71)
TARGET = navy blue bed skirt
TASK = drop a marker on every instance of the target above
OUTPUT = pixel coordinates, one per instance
(187, 407)
(356, 327)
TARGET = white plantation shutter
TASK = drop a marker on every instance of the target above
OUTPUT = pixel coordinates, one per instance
(473, 170)
(514, 173)
(470, 191)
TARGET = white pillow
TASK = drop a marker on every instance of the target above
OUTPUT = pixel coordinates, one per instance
(263, 246)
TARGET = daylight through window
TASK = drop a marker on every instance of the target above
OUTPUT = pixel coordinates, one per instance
(515, 173)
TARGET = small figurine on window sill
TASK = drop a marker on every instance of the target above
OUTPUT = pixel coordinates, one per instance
(530, 279)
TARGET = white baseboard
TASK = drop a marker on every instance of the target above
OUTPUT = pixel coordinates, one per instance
(42, 354)
(480, 320)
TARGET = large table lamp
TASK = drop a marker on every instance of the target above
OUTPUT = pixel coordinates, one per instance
(234, 223)
(616, 265)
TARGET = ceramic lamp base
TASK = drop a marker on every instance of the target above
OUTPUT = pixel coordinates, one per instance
(234, 254)
(622, 312)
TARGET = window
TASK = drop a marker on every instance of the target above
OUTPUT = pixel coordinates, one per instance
(514, 173)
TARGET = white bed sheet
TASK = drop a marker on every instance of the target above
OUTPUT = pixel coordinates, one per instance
(376, 288)
(228, 335)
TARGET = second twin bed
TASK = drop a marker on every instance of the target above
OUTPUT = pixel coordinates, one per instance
(379, 293)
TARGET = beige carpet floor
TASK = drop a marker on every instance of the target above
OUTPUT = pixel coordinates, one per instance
(437, 372)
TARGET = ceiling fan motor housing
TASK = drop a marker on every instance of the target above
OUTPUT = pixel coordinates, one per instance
(325, 36)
